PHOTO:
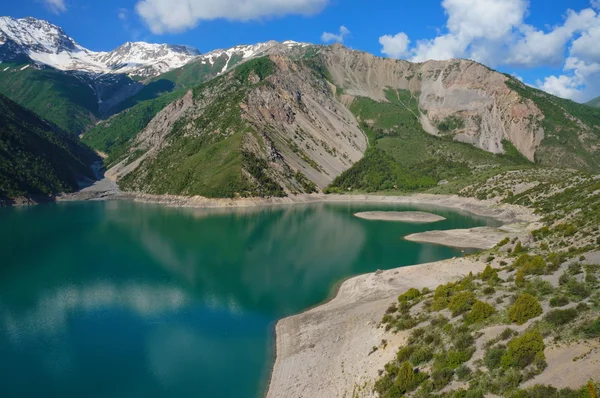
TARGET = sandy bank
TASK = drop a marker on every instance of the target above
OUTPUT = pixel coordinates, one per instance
(324, 352)
(475, 238)
(503, 212)
(404, 216)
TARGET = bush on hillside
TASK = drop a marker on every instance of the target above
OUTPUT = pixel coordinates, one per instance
(461, 303)
(561, 317)
(410, 294)
(480, 312)
(525, 307)
(522, 351)
(559, 301)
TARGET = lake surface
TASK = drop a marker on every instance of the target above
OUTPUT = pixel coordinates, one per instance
(117, 299)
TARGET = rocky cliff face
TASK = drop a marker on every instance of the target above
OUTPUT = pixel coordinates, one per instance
(488, 110)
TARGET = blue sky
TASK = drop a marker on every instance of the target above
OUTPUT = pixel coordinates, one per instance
(540, 41)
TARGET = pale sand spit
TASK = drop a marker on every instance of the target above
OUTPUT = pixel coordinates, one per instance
(403, 216)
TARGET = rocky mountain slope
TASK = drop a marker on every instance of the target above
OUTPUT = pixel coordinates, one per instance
(308, 113)
(270, 127)
(35, 158)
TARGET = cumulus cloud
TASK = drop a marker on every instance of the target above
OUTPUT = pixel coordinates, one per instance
(328, 37)
(164, 16)
(56, 6)
(495, 33)
(394, 46)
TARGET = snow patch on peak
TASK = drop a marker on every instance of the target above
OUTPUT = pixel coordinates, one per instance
(46, 43)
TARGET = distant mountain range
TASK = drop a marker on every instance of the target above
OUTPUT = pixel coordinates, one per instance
(44, 69)
(274, 119)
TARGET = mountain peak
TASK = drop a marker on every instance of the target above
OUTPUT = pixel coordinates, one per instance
(46, 43)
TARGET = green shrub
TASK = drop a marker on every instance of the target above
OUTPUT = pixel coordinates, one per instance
(592, 329)
(422, 354)
(411, 294)
(507, 333)
(561, 317)
(525, 307)
(463, 373)
(554, 261)
(577, 289)
(461, 302)
(441, 377)
(503, 242)
(453, 358)
(559, 301)
(488, 290)
(489, 274)
(463, 340)
(522, 351)
(404, 353)
(493, 357)
(518, 248)
(480, 312)
(407, 380)
(441, 297)
(575, 269)
(529, 266)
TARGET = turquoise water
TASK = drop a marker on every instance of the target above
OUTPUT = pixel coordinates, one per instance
(116, 299)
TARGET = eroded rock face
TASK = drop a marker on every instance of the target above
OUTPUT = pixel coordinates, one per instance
(490, 111)
(305, 125)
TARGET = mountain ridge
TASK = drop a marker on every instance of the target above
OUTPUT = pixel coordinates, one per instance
(459, 116)
(48, 44)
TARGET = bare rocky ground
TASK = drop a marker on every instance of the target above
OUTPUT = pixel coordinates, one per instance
(104, 189)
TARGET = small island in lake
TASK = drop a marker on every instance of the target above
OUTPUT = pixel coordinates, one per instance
(404, 216)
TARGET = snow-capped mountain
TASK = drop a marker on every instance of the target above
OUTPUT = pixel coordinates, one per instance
(234, 55)
(48, 44)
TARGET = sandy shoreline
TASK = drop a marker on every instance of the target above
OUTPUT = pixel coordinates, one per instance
(327, 351)
(402, 216)
(324, 352)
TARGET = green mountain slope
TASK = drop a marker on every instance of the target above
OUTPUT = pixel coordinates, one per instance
(35, 158)
(571, 130)
(404, 157)
(114, 136)
(595, 102)
(210, 160)
(60, 98)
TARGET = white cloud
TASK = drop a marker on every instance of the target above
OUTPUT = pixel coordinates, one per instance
(562, 86)
(123, 14)
(328, 37)
(174, 16)
(56, 6)
(394, 46)
(595, 4)
(587, 46)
